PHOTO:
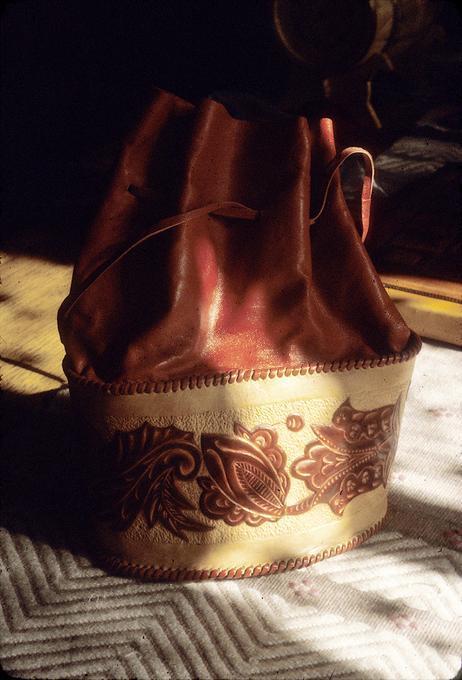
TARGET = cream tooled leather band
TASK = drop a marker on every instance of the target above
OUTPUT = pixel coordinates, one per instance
(231, 476)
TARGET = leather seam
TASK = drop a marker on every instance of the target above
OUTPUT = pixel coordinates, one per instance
(240, 375)
(150, 572)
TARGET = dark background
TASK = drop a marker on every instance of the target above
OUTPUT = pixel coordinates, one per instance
(77, 74)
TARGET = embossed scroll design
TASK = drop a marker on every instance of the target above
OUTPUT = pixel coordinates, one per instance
(242, 477)
(349, 457)
(142, 468)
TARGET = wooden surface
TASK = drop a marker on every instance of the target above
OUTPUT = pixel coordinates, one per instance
(431, 307)
(31, 352)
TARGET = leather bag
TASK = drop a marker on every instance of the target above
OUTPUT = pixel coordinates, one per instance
(231, 350)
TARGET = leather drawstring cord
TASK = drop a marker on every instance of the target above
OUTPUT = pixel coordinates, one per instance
(228, 209)
(235, 210)
(368, 183)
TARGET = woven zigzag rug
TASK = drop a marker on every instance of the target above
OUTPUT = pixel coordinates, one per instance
(391, 609)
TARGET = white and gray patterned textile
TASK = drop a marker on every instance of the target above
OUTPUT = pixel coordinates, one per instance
(390, 609)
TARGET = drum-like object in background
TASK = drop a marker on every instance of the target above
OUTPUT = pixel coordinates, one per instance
(330, 37)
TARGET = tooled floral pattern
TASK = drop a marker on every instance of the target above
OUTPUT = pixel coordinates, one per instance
(243, 475)
(349, 457)
(247, 481)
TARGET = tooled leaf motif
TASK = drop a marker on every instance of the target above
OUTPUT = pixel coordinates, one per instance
(350, 456)
(247, 481)
(259, 486)
(141, 473)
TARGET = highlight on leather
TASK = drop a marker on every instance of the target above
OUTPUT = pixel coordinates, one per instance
(267, 291)
(239, 211)
(225, 209)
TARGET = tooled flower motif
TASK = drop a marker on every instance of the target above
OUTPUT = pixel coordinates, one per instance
(247, 481)
(349, 457)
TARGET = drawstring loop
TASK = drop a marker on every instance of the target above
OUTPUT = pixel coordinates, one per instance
(368, 182)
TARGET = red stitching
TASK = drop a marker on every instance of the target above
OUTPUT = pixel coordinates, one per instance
(228, 377)
(153, 573)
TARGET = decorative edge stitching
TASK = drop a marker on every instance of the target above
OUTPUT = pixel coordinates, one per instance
(148, 572)
(239, 375)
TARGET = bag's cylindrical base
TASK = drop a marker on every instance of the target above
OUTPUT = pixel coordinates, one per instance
(242, 474)
(150, 572)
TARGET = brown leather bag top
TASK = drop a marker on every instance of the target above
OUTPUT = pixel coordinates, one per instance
(204, 259)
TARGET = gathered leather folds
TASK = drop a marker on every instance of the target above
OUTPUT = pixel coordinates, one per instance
(224, 288)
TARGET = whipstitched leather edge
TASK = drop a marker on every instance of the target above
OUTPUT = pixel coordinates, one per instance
(148, 572)
(239, 375)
